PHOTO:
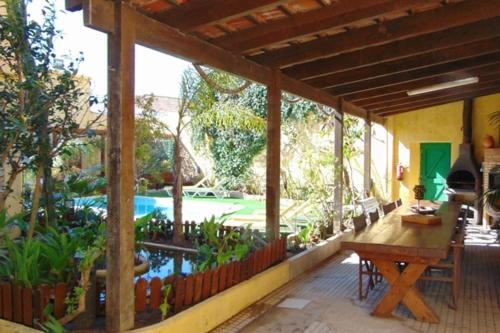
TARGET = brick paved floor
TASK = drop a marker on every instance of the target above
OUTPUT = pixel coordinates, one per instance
(331, 289)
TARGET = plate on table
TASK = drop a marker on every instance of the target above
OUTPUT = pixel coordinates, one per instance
(423, 210)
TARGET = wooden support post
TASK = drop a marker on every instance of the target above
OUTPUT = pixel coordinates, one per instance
(273, 157)
(367, 156)
(103, 155)
(339, 155)
(120, 308)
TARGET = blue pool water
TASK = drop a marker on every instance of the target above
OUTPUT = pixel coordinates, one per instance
(191, 210)
(142, 205)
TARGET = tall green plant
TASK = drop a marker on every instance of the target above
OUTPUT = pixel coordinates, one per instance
(39, 101)
(215, 250)
(21, 263)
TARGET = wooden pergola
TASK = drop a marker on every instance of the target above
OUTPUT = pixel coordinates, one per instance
(358, 57)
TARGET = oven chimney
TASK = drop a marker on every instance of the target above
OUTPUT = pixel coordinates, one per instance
(467, 121)
(464, 179)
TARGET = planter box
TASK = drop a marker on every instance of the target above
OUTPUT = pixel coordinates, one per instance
(219, 308)
(215, 310)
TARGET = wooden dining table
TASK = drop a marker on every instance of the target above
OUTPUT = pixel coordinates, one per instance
(390, 241)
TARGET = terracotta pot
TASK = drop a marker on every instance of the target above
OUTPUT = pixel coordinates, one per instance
(488, 141)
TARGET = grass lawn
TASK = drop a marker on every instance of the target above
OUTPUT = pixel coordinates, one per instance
(249, 206)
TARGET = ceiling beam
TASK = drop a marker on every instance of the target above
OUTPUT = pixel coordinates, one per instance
(424, 82)
(198, 13)
(337, 15)
(483, 84)
(397, 50)
(405, 64)
(98, 14)
(412, 75)
(443, 18)
(422, 105)
(400, 97)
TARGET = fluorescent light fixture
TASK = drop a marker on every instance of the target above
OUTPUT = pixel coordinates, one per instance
(444, 85)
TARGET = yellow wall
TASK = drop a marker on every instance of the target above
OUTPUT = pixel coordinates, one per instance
(441, 123)
(481, 125)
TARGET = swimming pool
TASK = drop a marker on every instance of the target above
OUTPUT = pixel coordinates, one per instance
(191, 210)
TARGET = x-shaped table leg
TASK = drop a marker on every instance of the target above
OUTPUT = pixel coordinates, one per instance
(403, 289)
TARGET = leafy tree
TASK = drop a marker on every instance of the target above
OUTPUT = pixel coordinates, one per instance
(188, 92)
(353, 136)
(233, 126)
(38, 102)
(152, 153)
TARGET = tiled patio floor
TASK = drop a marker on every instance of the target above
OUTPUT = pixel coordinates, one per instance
(334, 307)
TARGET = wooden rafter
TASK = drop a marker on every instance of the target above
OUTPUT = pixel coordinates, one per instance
(403, 65)
(449, 16)
(405, 86)
(412, 75)
(484, 84)
(197, 13)
(401, 97)
(397, 50)
(439, 101)
(337, 15)
(370, 52)
(158, 36)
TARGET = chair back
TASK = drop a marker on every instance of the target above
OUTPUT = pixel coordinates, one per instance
(359, 222)
(399, 202)
(374, 216)
(369, 205)
(388, 208)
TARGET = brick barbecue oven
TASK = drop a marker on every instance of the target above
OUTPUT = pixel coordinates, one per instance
(464, 179)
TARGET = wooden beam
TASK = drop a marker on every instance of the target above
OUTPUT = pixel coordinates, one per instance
(336, 15)
(428, 72)
(153, 34)
(403, 97)
(424, 60)
(439, 95)
(423, 82)
(433, 102)
(339, 166)
(198, 13)
(273, 158)
(367, 158)
(397, 50)
(120, 298)
(449, 16)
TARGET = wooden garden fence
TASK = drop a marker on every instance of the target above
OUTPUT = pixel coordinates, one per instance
(165, 228)
(194, 288)
(26, 305)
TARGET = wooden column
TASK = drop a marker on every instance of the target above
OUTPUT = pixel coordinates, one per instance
(273, 157)
(339, 155)
(367, 156)
(120, 172)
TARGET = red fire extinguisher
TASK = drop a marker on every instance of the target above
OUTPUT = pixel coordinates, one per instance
(399, 172)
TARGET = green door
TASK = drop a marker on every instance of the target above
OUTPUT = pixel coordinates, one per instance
(435, 164)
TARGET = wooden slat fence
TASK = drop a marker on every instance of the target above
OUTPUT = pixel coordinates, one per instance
(194, 288)
(165, 229)
(26, 305)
